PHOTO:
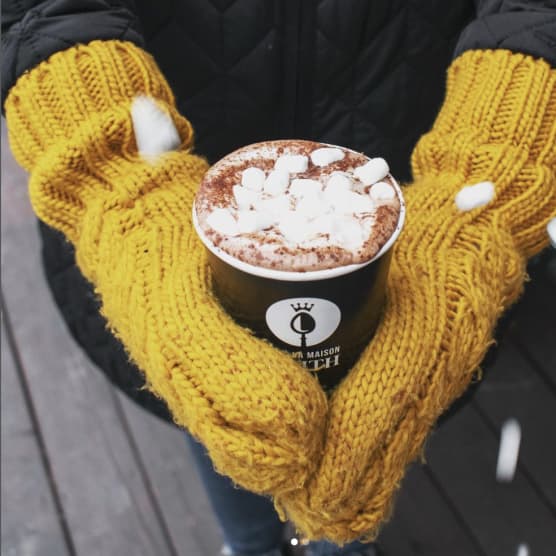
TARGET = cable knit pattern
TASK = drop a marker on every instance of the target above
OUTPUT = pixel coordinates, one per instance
(332, 467)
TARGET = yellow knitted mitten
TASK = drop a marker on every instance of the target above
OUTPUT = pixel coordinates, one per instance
(453, 273)
(259, 414)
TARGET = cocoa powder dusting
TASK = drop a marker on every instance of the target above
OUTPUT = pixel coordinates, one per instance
(267, 248)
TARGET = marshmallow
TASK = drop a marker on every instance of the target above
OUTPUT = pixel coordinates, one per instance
(551, 229)
(250, 221)
(322, 225)
(303, 187)
(265, 220)
(339, 180)
(292, 163)
(222, 221)
(382, 191)
(326, 155)
(275, 206)
(247, 222)
(336, 186)
(337, 198)
(474, 196)
(277, 182)
(312, 205)
(295, 227)
(347, 232)
(508, 451)
(244, 197)
(371, 172)
(361, 203)
(349, 202)
(253, 178)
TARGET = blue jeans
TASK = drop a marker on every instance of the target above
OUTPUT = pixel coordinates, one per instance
(248, 521)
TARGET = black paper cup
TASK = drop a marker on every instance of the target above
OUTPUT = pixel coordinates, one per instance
(323, 318)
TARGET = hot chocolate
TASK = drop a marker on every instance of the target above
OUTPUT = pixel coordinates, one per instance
(298, 206)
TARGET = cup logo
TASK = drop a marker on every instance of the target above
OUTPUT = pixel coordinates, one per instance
(303, 321)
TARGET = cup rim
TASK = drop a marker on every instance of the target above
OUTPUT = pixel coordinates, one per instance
(298, 276)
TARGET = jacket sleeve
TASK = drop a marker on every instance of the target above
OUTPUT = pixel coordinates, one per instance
(526, 26)
(33, 30)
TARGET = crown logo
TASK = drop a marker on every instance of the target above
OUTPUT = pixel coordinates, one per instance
(298, 307)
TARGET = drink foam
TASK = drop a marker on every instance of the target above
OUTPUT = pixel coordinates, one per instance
(298, 205)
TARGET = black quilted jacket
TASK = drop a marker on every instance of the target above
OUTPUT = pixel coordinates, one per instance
(367, 74)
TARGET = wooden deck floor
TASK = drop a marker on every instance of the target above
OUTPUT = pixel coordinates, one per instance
(87, 473)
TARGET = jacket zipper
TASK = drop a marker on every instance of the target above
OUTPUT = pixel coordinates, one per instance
(298, 53)
(305, 67)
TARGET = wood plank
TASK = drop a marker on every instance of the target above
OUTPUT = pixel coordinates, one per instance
(462, 457)
(513, 389)
(423, 523)
(180, 494)
(30, 523)
(108, 508)
(534, 326)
